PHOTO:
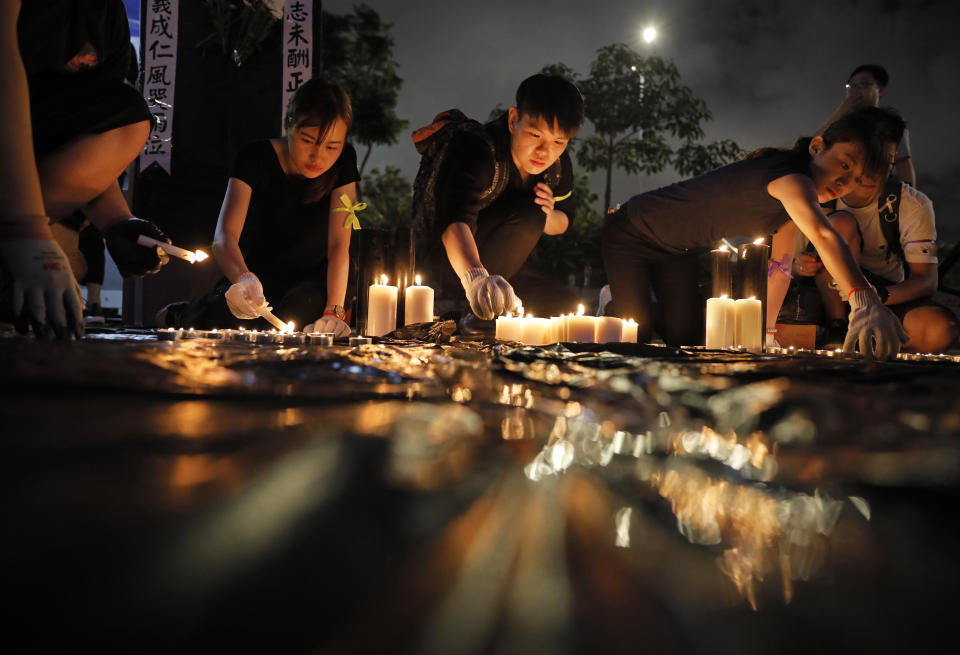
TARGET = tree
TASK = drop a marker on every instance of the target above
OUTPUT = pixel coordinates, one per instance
(358, 53)
(388, 196)
(635, 105)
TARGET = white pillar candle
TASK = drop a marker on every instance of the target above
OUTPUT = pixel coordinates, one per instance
(556, 329)
(720, 323)
(749, 324)
(582, 329)
(382, 308)
(629, 334)
(609, 329)
(565, 327)
(509, 328)
(418, 306)
(533, 331)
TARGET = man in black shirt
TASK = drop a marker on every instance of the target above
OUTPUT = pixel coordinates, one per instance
(499, 192)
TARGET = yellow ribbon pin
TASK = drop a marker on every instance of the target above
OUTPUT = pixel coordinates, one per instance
(564, 196)
(351, 220)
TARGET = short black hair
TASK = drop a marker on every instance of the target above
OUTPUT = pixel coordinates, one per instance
(552, 98)
(874, 128)
(878, 72)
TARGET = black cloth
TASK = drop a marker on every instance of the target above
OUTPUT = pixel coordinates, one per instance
(729, 201)
(77, 55)
(653, 240)
(92, 248)
(285, 233)
(284, 239)
(469, 168)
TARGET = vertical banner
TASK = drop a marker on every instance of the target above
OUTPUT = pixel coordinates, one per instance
(158, 34)
(297, 48)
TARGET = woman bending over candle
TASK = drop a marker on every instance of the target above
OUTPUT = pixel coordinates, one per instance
(279, 235)
(654, 239)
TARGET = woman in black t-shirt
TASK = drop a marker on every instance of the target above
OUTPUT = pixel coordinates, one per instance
(654, 238)
(278, 236)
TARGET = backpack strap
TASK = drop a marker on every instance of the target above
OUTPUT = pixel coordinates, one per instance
(889, 205)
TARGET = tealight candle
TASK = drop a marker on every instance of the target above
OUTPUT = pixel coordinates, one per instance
(629, 334)
(382, 308)
(609, 329)
(190, 333)
(239, 335)
(418, 306)
(582, 329)
(169, 334)
(214, 334)
(360, 341)
(268, 337)
(320, 339)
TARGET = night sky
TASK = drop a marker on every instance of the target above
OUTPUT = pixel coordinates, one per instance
(769, 70)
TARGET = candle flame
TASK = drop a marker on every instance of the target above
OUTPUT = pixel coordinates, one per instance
(529, 315)
(417, 278)
(723, 248)
(724, 296)
(383, 278)
(579, 310)
(199, 256)
(758, 241)
(752, 298)
(288, 327)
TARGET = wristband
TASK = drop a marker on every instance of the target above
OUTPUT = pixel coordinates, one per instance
(334, 310)
(771, 330)
(855, 289)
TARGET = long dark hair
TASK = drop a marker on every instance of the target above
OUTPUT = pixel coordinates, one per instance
(872, 127)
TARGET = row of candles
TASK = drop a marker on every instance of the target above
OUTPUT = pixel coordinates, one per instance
(285, 337)
(570, 328)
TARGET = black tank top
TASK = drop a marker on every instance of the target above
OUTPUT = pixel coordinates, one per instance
(726, 202)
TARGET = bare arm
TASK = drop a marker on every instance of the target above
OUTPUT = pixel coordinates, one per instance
(338, 246)
(461, 248)
(226, 240)
(799, 199)
(777, 285)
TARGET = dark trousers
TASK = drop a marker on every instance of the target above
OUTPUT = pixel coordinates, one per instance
(301, 302)
(634, 267)
(91, 246)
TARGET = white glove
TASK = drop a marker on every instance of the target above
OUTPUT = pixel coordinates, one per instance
(44, 292)
(874, 327)
(328, 323)
(771, 341)
(245, 296)
(489, 295)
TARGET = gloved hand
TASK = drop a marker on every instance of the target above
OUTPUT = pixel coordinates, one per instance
(328, 323)
(245, 296)
(43, 292)
(132, 258)
(489, 295)
(876, 329)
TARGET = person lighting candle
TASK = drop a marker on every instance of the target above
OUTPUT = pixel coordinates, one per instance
(282, 233)
(653, 240)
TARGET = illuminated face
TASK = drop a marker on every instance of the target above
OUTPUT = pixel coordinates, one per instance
(311, 153)
(864, 90)
(871, 185)
(836, 170)
(534, 145)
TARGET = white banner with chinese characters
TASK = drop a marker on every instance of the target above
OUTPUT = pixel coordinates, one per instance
(297, 48)
(158, 32)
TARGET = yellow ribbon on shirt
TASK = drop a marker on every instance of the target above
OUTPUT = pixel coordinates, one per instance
(351, 220)
(564, 196)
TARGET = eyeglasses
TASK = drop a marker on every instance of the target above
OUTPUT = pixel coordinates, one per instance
(859, 85)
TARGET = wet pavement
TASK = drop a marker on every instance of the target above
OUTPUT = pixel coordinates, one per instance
(472, 497)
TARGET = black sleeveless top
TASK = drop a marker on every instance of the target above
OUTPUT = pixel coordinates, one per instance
(726, 202)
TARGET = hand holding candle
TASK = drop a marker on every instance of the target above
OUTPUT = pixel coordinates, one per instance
(245, 297)
(192, 256)
(132, 259)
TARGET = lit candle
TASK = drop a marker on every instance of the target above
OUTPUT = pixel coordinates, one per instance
(192, 256)
(382, 308)
(721, 323)
(582, 329)
(609, 329)
(752, 261)
(169, 334)
(509, 328)
(749, 324)
(629, 331)
(533, 331)
(418, 306)
(556, 329)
